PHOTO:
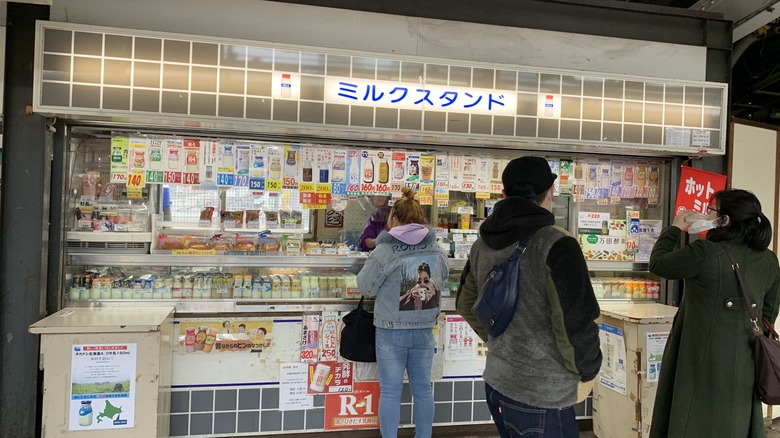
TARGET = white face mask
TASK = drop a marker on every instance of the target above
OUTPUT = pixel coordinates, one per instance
(701, 226)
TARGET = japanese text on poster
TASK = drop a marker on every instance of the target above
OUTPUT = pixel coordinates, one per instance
(102, 387)
(613, 368)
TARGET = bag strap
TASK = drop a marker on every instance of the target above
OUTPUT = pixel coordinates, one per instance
(360, 304)
(753, 318)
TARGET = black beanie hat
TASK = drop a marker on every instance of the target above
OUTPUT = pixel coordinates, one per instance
(527, 176)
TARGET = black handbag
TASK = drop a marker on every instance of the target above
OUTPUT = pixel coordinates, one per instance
(358, 337)
(766, 352)
(495, 306)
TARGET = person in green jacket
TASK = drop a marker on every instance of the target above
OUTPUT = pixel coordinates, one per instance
(706, 387)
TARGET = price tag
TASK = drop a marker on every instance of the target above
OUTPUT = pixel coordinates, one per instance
(191, 178)
(135, 192)
(614, 200)
(323, 188)
(315, 206)
(273, 185)
(602, 201)
(483, 195)
(135, 180)
(307, 187)
(194, 252)
(442, 203)
(241, 181)
(426, 200)
(256, 184)
(171, 177)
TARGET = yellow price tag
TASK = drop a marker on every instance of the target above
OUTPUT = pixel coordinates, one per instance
(323, 188)
(274, 185)
(194, 252)
(135, 192)
(315, 206)
(426, 200)
(306, 187)
(483, 195)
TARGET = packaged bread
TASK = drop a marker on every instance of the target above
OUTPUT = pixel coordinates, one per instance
(268, 243)
(272, 219)
(245, 243)
(253, 218)
(221, 243)
(196, 242)
(170, 243)
(313, 248)
(206, 213)
(232, 219)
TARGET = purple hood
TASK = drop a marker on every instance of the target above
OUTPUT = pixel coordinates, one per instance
(410, 234)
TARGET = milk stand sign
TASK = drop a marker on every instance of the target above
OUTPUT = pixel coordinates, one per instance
(102, 387)
(696, 188)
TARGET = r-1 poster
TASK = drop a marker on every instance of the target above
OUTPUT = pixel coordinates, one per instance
(102, 386)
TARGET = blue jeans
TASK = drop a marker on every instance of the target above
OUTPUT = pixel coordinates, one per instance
(514, 419)
(411, 350)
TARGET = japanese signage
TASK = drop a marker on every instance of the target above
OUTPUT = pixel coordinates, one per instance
(386, 94)
(209, 337)
(358, 410)
(613, 368)
(102, 387)
(696, 188)
(330, 377)
(610, 246)
(461, 341)
(292, 387)
(656, 342)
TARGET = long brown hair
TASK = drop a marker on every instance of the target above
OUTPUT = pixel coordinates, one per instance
(407, 210)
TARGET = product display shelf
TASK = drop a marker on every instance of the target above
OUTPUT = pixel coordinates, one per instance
(216, 228)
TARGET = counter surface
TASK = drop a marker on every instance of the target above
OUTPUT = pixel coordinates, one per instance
(640, 313)
(103, 320)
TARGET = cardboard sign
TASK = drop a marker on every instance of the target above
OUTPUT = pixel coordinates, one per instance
(359, 410)
(696, 188)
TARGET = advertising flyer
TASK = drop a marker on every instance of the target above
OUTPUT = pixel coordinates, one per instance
(119, 159)
(203, 336)
(192, 160)
(273, 181)
(469, 167)
(243, 164)
(455, 168)
(154, 172)
(649, 232)
(137, 165)
(461, 340)
(656, 342)
(484, 166)
(613, 368)
(310, 338)
(102, 387)
(329, 349)
(208, 169)
(174, 157)
(442, 175)
(330, 377)
(358, 410)
(226, 163)
(291, 166)
(293, 378)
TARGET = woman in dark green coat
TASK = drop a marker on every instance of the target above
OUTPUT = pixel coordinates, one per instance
(706, 384)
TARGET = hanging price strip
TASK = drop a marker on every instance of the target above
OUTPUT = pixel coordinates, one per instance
(483, 195)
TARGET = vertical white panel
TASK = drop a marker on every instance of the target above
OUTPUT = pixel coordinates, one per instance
(754, 166)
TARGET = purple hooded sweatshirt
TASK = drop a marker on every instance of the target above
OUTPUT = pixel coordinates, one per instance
(410, 234)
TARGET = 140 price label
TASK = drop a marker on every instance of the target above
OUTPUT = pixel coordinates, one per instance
(135, 180)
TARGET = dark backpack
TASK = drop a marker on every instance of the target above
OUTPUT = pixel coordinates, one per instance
(497, 298)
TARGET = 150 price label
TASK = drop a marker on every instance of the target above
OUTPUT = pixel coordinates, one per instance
(274, 185)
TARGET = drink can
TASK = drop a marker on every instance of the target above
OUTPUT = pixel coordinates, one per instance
(148, 283)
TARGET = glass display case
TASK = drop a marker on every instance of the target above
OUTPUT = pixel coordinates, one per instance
(195, 236)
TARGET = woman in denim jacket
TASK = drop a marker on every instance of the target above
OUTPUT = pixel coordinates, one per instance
(405, 273)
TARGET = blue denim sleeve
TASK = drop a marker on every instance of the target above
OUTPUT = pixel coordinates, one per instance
(370, 277)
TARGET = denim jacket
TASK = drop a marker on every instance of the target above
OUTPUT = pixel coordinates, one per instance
(406, 280)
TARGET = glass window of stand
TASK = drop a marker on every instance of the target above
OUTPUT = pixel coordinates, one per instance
(198, 241)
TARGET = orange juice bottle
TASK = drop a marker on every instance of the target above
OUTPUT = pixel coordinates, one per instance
(211, 338)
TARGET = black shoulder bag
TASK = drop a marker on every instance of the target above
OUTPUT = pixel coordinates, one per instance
(766, 352)
(497, 298)
(358, 337)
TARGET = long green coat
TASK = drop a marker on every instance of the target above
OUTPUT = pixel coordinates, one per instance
(706, 383)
